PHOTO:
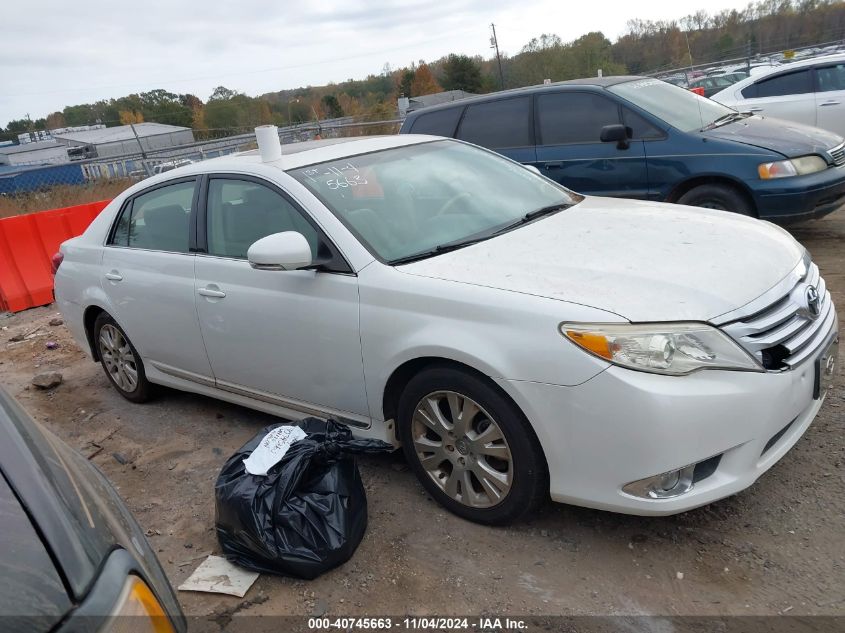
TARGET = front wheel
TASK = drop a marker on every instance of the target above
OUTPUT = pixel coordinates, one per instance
(471, 447)
(719, 197)
(121, 360)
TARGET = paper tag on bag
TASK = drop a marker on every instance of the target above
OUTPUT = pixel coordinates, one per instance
(272, 448)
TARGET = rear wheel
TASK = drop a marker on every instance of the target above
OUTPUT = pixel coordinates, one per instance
(470, 447)
(716, 196)
(121, 360)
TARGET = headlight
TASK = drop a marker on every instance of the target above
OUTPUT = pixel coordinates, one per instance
(138, 610)
(661, 348)
(792, 167)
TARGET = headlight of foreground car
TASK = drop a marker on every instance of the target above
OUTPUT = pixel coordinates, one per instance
(794, 167)
(674, 349)
(138, 611)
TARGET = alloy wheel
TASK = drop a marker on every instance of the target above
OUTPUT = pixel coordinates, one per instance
(462, 448)
(118, 358)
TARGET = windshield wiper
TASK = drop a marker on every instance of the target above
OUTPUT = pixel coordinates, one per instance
(438, 250)
(533, 215)
(451, 246)
(725, 119)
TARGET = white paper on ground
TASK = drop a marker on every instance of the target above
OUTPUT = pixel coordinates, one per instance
(272, 448)
(217, 575)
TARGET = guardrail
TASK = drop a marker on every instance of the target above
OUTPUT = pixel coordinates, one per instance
(27, 244)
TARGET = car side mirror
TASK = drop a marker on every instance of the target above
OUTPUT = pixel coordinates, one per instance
(280, 251)
(618, 133)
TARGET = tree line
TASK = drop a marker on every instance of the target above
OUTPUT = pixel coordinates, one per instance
(763, 26)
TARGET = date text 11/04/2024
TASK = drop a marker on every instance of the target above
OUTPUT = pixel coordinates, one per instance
(478, 625)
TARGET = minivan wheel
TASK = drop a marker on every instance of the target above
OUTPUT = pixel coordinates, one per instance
(471, 447)
(720, 197)
(120, 360)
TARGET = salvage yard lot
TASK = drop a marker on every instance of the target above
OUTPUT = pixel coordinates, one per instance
(776, 548)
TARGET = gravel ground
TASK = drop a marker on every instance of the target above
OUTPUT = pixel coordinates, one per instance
(778, 547)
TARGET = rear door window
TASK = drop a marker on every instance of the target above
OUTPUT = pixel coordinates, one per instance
(158, 220)
(574, 117)
(498, 124)
(800, 82)
(439, 123)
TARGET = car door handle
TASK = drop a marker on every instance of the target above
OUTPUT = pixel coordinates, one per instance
(826, 103)
(210, 291)
(553, 165)
(755, 109)
(113, 275)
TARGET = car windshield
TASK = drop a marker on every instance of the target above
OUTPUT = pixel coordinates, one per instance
(422, 199)
(676, 106)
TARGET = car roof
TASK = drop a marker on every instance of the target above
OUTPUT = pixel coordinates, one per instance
(294, 155)
(590, 82)
(802, 63)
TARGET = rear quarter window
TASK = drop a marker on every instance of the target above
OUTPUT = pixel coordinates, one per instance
(438, 123)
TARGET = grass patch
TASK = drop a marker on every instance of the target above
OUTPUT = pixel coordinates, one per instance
(62, 196)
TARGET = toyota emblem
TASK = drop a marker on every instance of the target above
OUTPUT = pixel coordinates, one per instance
(813, 301)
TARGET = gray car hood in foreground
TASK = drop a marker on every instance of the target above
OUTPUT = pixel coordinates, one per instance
(645, 261)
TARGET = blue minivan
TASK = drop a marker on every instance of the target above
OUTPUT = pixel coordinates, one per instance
(638, 137)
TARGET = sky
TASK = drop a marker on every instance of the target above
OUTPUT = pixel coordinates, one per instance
(57, 53)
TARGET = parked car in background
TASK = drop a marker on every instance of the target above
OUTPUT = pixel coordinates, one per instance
(73, 558)
(516, 338)
(810, 91)
(713, 84)
(171, 164)
(638, 137)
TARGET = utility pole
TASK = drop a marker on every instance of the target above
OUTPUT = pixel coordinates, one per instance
(143, 153)
(495, 44)
(140, 146)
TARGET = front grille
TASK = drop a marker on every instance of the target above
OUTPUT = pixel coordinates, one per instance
(838, 154)
(785, 334)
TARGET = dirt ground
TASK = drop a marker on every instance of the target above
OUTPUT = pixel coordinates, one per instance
(778, 547)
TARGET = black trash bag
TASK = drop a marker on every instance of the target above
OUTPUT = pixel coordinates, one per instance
(307, 514)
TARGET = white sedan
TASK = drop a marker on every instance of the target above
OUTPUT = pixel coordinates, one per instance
(517, 339)
(810, 91)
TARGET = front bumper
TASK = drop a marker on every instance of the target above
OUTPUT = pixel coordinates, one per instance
(622, 426)
(787, 200)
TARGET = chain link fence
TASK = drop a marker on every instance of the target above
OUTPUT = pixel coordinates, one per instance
(25, 188)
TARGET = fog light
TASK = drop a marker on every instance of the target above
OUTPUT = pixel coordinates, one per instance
(663, 486)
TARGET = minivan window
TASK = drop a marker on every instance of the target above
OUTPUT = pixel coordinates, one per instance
(574, 117)
(640, 127)
(403, 201)
(241, 212)
(498, 124)
(831, 78)
(157, 220)
(796, 83)
(439, 122)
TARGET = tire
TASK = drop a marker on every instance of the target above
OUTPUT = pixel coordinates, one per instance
(720, 197)
(126, 370)
(488, 468)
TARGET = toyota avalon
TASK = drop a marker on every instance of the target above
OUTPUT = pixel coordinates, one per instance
(518, 340)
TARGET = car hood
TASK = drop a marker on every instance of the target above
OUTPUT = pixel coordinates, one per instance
(644, 261)
(785, 137)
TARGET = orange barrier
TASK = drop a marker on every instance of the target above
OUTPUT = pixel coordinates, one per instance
(27, 243)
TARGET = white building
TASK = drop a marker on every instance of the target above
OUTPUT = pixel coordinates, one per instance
(33, 153)
(121, 140)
